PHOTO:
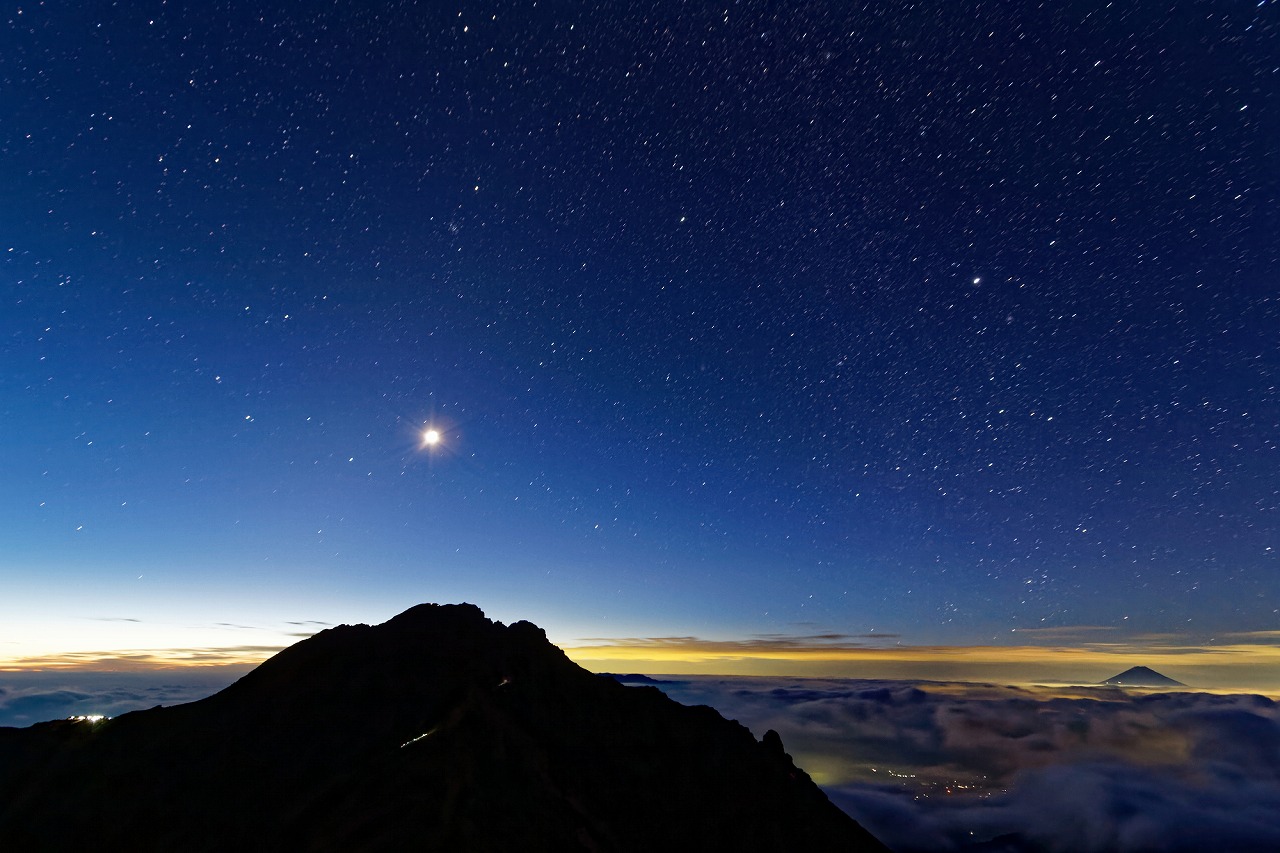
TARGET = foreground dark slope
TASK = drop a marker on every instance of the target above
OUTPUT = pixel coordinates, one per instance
(438, 730)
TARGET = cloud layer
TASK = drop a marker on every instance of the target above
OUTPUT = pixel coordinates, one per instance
(32, 697)
(946, 767)
(927, 766)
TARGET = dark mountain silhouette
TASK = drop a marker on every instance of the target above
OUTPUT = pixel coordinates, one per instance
(438, 730)
(632, 678)
(1141, 676)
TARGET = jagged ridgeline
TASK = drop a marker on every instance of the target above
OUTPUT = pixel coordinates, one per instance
(438, 730)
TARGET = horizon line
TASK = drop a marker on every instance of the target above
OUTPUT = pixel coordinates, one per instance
(1255, 663)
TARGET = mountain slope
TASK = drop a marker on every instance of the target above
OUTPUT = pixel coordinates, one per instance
(1141, 676)
(438, 730)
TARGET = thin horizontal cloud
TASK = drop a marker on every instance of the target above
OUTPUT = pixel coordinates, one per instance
(824, 638)
(1063, 632)
(146, 658)
(1236, 666)
(757, 643)
(847, 646)
(1254, 636)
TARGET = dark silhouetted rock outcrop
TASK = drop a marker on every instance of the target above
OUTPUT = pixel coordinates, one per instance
(438, 730)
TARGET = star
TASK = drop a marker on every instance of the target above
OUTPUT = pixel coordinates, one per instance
(430, 437)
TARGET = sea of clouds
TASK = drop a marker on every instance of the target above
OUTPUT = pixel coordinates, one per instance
(36, 696)
(929, 766)
(953, 767)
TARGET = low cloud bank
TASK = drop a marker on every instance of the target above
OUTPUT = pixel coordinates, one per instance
(33, 697)
(928, 766)
(945, 767)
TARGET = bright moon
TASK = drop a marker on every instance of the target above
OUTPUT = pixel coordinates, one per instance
(430, 438)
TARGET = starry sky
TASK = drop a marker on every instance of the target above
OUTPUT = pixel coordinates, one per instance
(813, 324)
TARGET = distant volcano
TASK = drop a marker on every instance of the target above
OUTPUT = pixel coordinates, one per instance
(1141, 676)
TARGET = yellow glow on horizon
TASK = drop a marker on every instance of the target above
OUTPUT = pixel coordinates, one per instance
(139, 644)
(713, 651)
(1240, 666)
(1250, 666)
(142, 660)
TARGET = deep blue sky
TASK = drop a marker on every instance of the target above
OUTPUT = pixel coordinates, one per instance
(941, 320)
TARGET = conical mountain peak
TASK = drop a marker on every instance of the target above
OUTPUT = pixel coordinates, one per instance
(1141, 676)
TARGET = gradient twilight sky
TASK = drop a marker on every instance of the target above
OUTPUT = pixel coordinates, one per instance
(766, 323)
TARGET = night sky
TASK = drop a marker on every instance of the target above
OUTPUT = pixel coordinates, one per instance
(941, 321)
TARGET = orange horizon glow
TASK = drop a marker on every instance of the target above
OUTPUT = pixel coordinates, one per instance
(1254, 666)
(1247, 660)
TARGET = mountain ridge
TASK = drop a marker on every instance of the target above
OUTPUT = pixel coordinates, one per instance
(437, 730)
